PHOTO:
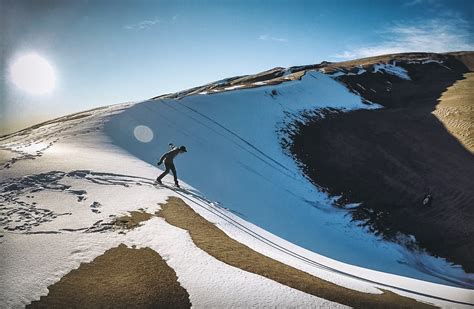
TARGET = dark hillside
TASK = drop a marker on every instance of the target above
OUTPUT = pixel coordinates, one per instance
(389, 158)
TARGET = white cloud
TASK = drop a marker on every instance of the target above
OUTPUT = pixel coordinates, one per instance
(266, 37)
(451, 33)
(144, 24)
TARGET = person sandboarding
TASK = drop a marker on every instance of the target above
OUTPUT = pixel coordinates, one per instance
(168, 158)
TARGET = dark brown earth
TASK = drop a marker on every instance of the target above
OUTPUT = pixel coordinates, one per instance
(388, 159)
(217, 244)
(120, 278)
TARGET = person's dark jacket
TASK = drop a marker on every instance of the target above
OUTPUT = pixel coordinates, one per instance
(169, 156)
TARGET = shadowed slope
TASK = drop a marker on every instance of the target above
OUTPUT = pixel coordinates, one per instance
(388, 159)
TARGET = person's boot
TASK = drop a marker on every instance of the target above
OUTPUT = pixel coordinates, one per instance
(177, 185)
(158, 181)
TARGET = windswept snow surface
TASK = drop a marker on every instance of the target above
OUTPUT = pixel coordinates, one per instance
(235, 158)
(63, 183)
(59, 206)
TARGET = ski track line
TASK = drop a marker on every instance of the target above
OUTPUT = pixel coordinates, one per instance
(291, 174)
(242, 139)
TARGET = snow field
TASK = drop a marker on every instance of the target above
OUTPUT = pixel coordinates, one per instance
(231, 137)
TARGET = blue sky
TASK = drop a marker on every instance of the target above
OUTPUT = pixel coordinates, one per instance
(107, 52)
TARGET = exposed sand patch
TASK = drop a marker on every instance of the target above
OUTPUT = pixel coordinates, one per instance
(133, 220)
(456, 110)
(216, 243)
(120, 278)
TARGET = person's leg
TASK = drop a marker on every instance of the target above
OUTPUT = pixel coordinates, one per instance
(167, 170)
(175, 175)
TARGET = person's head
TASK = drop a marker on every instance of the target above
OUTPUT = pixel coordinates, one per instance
(182, 149)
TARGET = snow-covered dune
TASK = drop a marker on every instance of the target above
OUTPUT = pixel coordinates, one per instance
(236, 158)
(64, 182)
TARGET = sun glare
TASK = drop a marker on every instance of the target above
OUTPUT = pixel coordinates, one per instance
(33, 74)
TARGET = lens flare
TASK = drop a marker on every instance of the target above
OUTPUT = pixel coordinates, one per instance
(143, 133)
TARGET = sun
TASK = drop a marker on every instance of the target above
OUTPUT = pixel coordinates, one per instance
(33, 74)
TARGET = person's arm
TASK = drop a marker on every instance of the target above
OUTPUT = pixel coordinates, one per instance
(163, 158)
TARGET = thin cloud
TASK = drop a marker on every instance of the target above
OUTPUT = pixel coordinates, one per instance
(427, 4)
(266, 37)
(345, 55)
(144, 24)
(435, 35)
(413, 3)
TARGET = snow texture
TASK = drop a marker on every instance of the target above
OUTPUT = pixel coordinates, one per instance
(63, 184)
(234, 137)
(80, 234)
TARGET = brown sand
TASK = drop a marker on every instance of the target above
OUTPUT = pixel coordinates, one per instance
(132, 221)
(216, 243)
(120, 278)
(456, 111)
